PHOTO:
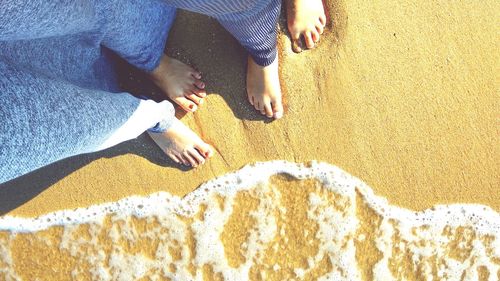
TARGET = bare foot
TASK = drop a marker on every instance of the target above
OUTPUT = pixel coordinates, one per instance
(182, 145)
(180, 82)
(263, 88)
(306, 18)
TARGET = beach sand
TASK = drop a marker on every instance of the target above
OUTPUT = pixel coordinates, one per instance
(402, 95)
(269, 221)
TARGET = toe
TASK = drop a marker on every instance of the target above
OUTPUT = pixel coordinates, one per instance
(258, 106)
(192, 162)
(268, 110)
(319, 28)
(295, 34)
(277, 109)
(175, 158)
(204, 149)
(296, 46)
(250, 99)
(308, 39)
(196, 74)
(322, 20)
(199, 92)
(296, 42)
(199, 84)
(200, 160)
(314, 35)
(183, 160)
(194, 98)
(186, 104)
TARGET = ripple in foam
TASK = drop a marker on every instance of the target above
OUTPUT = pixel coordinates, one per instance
(422, 235)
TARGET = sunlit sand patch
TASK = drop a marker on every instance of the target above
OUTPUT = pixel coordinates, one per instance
(269, 221)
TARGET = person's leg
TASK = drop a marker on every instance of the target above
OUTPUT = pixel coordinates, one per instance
(254, 24)
(60, 38)
(137, 31)
(182, 145)
(32, 19)
(76, 58)
(306, 19)
(175, 139)
(180, 82)
(257, 32)
(43, 120)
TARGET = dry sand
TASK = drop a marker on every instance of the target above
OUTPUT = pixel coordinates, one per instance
(403, 95)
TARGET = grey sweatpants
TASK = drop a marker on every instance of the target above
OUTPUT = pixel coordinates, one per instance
(58, 89)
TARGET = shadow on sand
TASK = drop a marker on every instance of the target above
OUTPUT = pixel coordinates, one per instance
(223, 63)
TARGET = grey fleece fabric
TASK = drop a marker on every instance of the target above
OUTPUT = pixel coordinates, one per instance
(58, 89)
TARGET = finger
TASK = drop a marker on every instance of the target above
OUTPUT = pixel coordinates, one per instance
(200, 160)
(308, 39)
(186, 104)
(268, 110)
(190, 159)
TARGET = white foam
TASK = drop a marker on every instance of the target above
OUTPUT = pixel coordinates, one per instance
(421, 232)
(482, 218)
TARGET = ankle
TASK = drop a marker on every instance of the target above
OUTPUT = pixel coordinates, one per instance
(160, 69)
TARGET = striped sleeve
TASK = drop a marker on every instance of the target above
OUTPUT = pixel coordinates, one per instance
(252, 22)
(257, 33)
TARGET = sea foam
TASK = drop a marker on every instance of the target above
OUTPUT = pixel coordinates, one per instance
(190, 238)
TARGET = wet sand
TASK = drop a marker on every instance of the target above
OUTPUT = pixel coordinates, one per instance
(402, 95)
(271, 221)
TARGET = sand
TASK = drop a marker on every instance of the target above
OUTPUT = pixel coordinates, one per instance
(270, 221)
(402, 95)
